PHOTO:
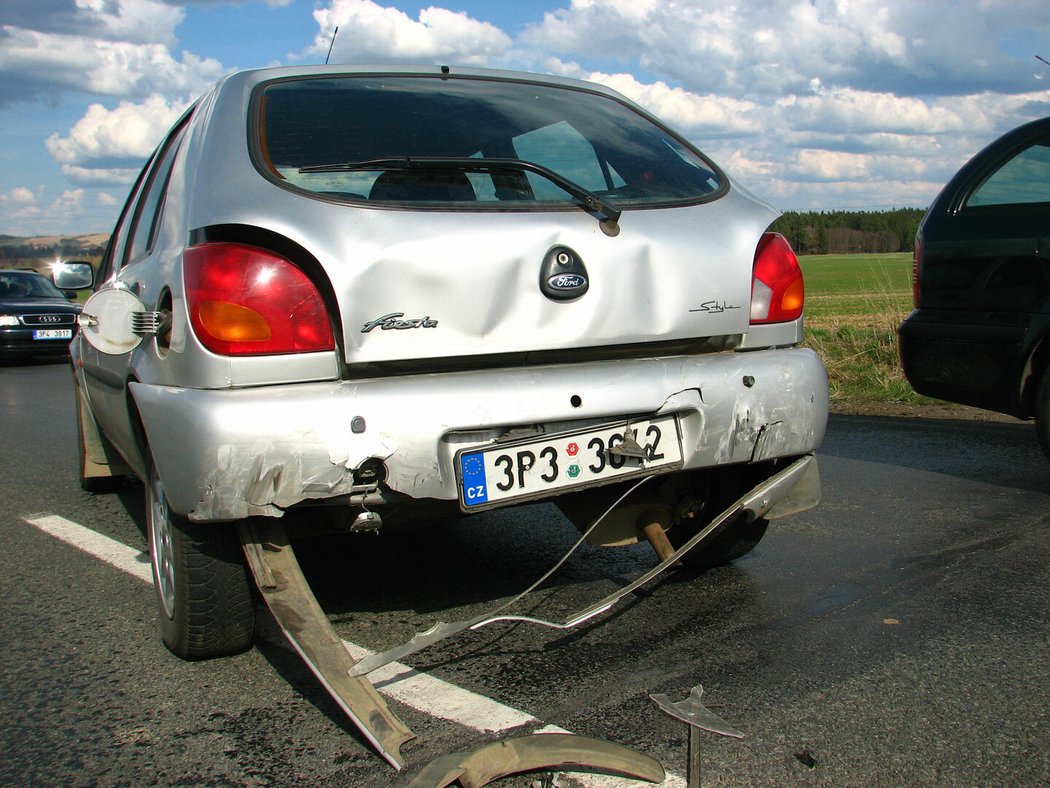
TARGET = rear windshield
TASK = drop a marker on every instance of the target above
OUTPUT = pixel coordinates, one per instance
(325, 135)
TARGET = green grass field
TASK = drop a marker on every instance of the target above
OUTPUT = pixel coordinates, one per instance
(856, 284)
(854, 304)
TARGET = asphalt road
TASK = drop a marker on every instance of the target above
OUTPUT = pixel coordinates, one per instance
(897, 634)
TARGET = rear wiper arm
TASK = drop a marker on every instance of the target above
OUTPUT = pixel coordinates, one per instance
(606, 213)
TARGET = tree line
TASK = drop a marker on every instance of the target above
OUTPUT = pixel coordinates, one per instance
(850, 232)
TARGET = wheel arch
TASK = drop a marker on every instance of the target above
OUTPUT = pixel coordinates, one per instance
(140, 464)
(1035, 367)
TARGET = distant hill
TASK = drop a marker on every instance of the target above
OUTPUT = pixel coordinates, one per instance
(39, 251)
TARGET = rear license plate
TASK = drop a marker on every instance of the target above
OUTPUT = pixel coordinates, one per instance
(53, 333)
(539, 467)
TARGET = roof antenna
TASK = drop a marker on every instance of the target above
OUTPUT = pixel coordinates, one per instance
(331, 44)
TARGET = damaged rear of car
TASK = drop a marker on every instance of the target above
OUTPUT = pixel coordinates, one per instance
(409, 290)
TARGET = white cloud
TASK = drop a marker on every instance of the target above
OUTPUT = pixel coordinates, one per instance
(19, 204)
(847, 195)
(757, 48)
(100, 176)
(369, 32)
(823, 165)
(70, 202)
(104, 139)
(36, 64)
(863, 112)
(107, 199)
(101, 47)
(141, 21)
(20, 196)
(741, 164)
(706, 114)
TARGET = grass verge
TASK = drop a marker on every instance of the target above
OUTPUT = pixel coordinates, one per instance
(854, 304)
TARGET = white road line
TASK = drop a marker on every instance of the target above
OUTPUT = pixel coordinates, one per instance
(420, 691)
(405, 684)
(439, 698)
(126, 559)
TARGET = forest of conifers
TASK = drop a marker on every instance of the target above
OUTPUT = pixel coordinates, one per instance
(846, 232)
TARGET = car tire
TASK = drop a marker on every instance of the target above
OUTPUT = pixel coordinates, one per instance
(1042, 412)
(736, 539)
(205, 599)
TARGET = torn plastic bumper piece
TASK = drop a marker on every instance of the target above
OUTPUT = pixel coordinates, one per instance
(281, 582)
(538, 752)
(754, 504)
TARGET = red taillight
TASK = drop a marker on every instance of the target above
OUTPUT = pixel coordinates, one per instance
(916, 271)
(246, 301)
(777, 290)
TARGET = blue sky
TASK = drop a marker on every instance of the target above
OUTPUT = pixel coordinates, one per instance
(812, 104)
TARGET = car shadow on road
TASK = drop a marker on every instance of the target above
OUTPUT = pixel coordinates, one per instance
(1001, 453)
(33, 361)
(467, 566)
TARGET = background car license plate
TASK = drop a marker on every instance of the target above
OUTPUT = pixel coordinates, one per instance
(538, 467)
(53, 333)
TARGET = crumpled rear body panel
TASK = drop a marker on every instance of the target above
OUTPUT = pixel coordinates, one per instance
(257, 451)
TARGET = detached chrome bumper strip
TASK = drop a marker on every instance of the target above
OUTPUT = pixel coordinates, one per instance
(753, 504)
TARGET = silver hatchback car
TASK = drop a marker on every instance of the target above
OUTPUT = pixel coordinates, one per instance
(403, 291)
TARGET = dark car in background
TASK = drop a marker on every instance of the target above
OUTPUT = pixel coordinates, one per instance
(978, 334)
(36, 318)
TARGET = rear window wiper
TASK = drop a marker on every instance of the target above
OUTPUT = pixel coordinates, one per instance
(606, 213)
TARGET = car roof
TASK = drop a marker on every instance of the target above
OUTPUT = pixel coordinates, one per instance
(249, 78)
(450, 72)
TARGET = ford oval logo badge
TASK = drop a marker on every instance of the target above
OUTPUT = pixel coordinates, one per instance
(563, 276)
(567, 282)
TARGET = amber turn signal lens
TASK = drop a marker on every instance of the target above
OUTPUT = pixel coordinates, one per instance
(247, 301)
(794, 297)
(233, 322)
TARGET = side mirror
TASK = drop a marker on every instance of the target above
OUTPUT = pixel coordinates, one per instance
(75, 275)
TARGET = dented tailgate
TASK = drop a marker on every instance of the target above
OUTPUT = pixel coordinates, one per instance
(468, 284)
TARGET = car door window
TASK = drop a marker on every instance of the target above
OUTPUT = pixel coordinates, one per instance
(144, 229)
(1025, 179)
(114, 256)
